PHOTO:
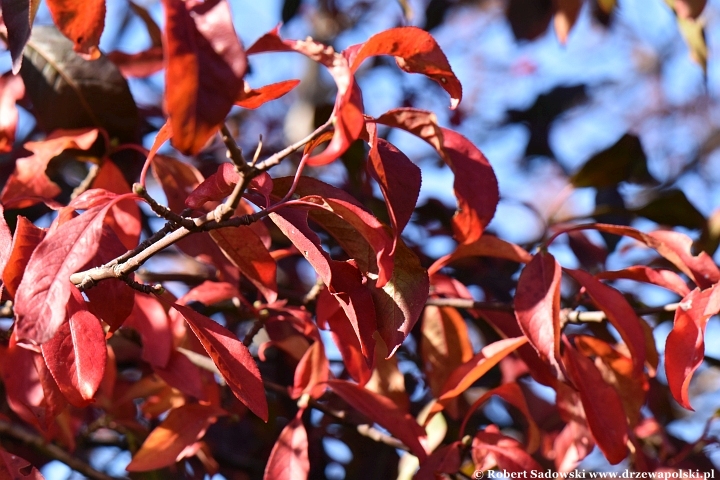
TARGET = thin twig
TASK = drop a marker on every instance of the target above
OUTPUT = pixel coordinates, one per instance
(234, 152)
(257, 151)
(50, 450)
(161, 210)
(567, 315)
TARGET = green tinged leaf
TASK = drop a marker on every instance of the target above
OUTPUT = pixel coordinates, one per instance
(672, 208)
(625, 161)
(69, 92)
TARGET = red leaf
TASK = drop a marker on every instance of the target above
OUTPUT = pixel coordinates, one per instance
(12, 89)
(475, 186)
(348, 222)
(253, 98)
(232, 358)
(603, 408)
(31, 391)
(399, 180)
(348, 111)
(415, 51)
(485, 246)
(466, 374)
(513, 394)
(244, 248)
(205, 66)
(660, 277)
(179, 372)
(617, 370)
(685, 346)
(311, 372)
(163, 135)
(619, 313)
(138, 65)
(210, 293)
(148, 317)
(13, 467)
(124, 218)
(112, 299)
(537, 306)
(166, 444)
(6, 239)
(178, 179)
(18, 17)
(399, 303)
(444, 346)
(330, 312)
(674, 246)
(26, 239)
(76, 355)
(444, 460)
(508, 453)
(214, 188)
(289, 456)
(364, 224)
(29, 184)
(385, 413)
(565, 17)
(45, 287)
(81, 21)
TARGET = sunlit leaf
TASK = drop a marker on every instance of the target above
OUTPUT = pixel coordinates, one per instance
(289, 456)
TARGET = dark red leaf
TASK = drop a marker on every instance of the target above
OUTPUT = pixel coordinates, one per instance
(660, 277)
(475, 186)
(13, 467)
(385, 413)
(289, 456)
(603, 408)
(82, 21)
(76, 355)
(311, 372)
(138, 65)
(6, 239)
(12, 89)
(205, 66)
(232, 358)
(485, 246)
(348, 112)
(166, 444)
(26, 239)
(244, 248)
(399, 180)
(508, 453)
(537, 306)
(415, 51)
(178, 179)
(331, 315)
(619, 312)
(253, 98)
(513, 394)
(18, 17)
(150, 320)
(685, 346)
(29, 184)
(45, 287)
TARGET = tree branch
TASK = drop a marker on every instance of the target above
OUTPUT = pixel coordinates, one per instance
(567, 315)
(50, 450)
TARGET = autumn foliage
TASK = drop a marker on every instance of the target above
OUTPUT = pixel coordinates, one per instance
(236, 364)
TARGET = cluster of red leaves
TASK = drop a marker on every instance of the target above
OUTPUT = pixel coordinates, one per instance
(59, 355)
